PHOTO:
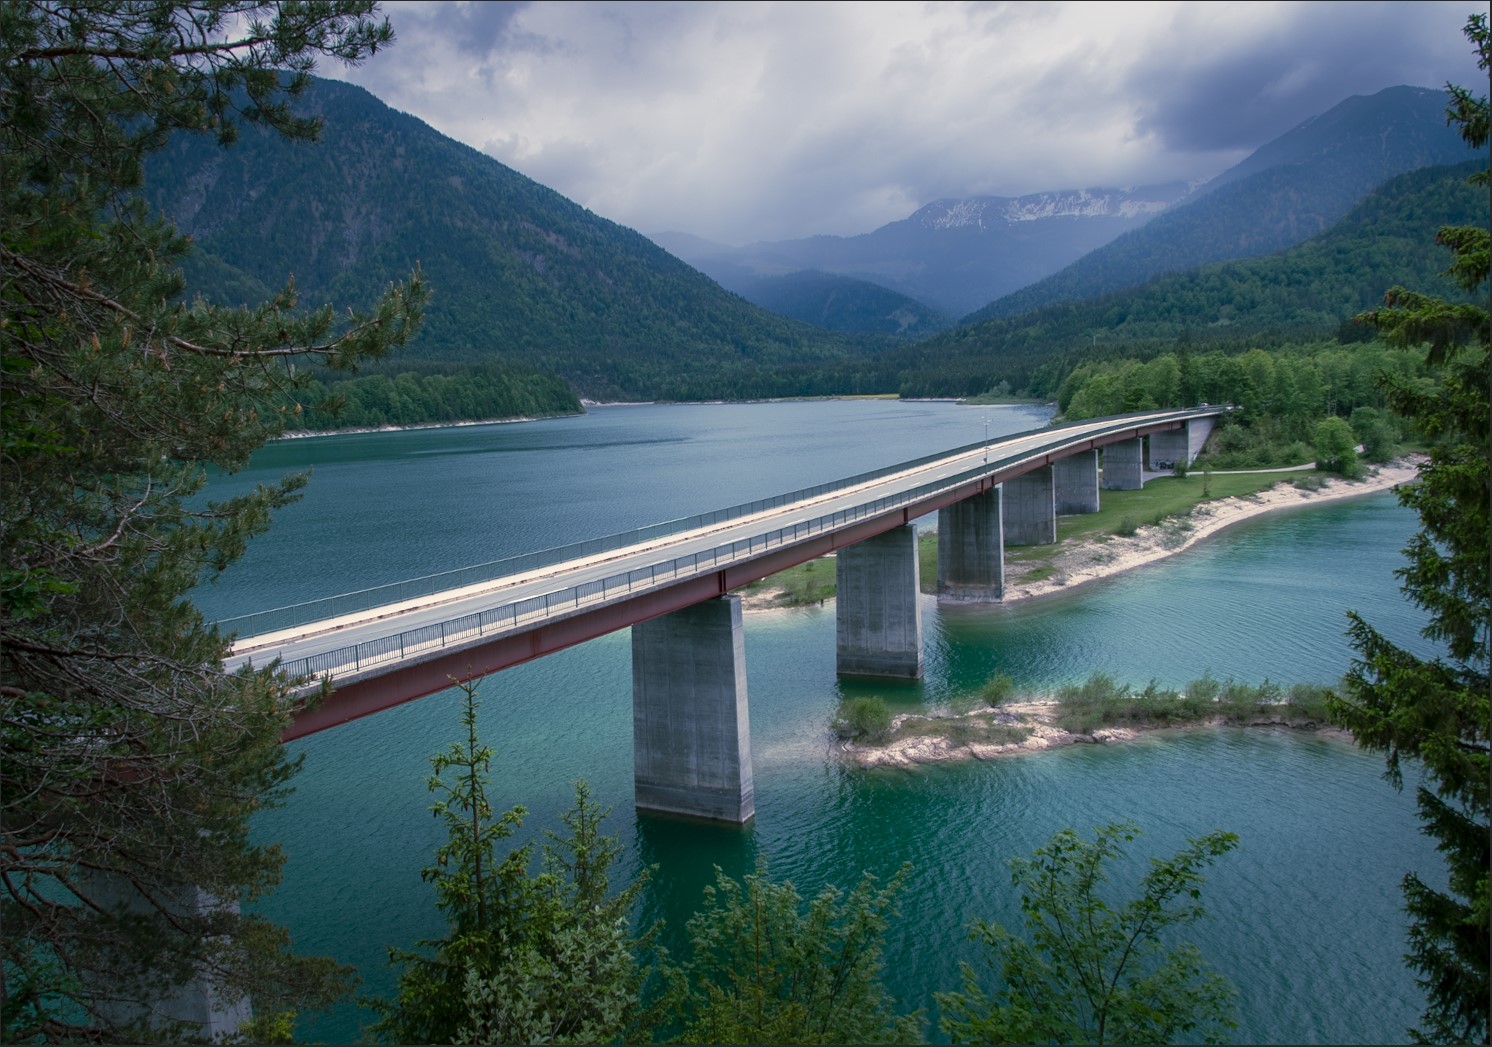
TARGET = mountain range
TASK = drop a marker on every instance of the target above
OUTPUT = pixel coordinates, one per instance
(999, 256)
(952, 255)
(517, 271)
(522, 275)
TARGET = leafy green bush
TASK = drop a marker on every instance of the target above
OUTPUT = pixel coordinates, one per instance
(1127, 527)
(865, 718)
(1377, 431)
(1102, 702)
(1336, 448)
(998, 690)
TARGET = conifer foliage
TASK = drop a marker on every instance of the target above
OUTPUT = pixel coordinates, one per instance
(131, 762)
(1434, 712)
(529, 958)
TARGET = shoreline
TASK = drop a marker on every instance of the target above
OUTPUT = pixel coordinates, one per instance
(306, 434)
(1091, 560)
(921, 750)
(353, 430)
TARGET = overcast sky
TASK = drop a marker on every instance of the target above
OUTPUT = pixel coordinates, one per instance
(761, 121)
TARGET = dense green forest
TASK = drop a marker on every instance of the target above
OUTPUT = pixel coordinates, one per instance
(400, 393)
(517, 272)
(1285, 394)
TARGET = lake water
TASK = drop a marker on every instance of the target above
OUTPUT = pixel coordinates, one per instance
(1305, 914)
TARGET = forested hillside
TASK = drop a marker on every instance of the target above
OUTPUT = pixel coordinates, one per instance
(1288, 190)
(1301, 294)
(518, 273)
(841, 303)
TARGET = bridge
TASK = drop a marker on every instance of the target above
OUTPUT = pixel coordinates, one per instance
(672, 583)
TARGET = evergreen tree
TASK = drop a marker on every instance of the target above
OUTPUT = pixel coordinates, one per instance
(762, 969)
(1435, 711)
(528, 959)
(131, 762)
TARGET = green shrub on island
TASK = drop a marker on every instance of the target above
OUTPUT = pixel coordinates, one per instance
(863, 719)
(998, 690)
(1101, 701)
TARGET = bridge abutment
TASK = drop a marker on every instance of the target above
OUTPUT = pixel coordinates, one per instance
(1075, 483)
(1124, 465)
(1030, 508)
(1197, 432)
(971, 549)
(1180, 445)
(691, 736)
(878, 622)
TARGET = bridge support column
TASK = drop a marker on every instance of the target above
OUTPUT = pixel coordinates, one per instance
(200, 1001)
(1124, 465)
(691, 738)
(1170, 447)
(878, 622)
(1031, 508)
(1075, 483)
(971, 549)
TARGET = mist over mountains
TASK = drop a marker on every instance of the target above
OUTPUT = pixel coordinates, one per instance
(997, 256)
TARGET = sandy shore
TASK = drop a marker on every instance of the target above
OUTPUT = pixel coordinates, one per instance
(1092, 560)
(1077, 563)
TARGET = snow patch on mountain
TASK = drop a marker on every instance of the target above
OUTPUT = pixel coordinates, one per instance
(955, 214)
(983, 211)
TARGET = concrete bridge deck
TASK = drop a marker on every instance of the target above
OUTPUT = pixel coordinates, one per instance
(394, 652)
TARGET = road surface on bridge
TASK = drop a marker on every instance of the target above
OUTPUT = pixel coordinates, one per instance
(382, 638)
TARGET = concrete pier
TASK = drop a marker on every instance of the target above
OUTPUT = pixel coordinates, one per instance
(1075, 483)
(1168, 448)
(878, 620)
(1124, 465)
(1180, 445)
(691, 737)
(1197, 432)
(200, 1000)
(1030, 508)
(971, 549)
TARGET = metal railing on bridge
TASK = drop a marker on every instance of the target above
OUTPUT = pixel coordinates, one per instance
(508, 617)
(292, 615)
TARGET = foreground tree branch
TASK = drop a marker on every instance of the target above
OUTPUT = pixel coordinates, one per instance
(1434, 711)
(130, 762)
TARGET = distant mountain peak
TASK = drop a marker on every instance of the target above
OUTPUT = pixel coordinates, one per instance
(985, 212)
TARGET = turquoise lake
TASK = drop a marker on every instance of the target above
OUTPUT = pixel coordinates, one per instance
(1304, 916)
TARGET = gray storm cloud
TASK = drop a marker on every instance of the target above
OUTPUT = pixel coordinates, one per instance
(750, 121)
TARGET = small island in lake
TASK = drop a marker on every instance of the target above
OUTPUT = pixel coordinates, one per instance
(1098, 711)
